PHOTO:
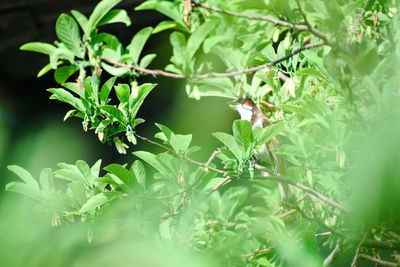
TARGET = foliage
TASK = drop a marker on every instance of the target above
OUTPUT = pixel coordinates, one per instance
(323, 72)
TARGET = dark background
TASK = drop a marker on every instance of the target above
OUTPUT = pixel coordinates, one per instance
(32, 133)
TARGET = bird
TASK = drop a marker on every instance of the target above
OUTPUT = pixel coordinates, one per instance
(249, 111)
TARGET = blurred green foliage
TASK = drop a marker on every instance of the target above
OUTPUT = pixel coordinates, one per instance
(325, 75)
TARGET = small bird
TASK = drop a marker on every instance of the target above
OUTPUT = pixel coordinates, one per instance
(249, 111)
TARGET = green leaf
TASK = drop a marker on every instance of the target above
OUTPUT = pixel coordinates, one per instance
(198, 36)
(180, 143)
(264, 135)
(230, 142)
(44, 70)
(151, 159)
(99, 200)
(122, 173)
(115, 71)
(210, 42)
(109, 41)
(164, 25)
(82, 21)
(70, 173)
(178, 42)
(100, 11)
(146, 60)
(47, 179)
(115, 113)
(123, 92)
(62, 74)
(39, 47)
(24, 175)
(84, 168)
(95, 170)
(64, 96)
(165, 134)
(116, 16)
(169, 9)
(135, 103)
(140, 173)
(67, 31)
(61, 53)
(25, 189)
(243, 133)
(106, 89)
(138, 41)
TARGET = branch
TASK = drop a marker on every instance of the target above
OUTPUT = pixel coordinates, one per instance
(310, 28)
(381, 244)
(377, 261)
(314, 219)
(211, 74)
(356, 254)
(305, 189)
(299, 27)
(331, 257)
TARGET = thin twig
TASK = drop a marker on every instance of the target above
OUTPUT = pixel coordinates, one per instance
(310, 28)
(377, 261)
(323, 234)
(282, 76)
(305, 189)
(381, 244)
(211, 74)
(313, 219)
(212, 157)
(331, 257)
(356, 254)
(299, 27)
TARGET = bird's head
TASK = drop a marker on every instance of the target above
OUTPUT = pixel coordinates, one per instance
(245, 107)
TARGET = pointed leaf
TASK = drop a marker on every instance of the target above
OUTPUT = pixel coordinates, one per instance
(243, 133)
(180, 143)
(100, 11)
(115, 113)
(135, 104)
(106, 89)
(68, 32)
(25, 189)
(169, 9)
(138, 42)
(123, 92)
(140, 173)
(116, 16)
(230, 142)
(82, 21)
(198, 36)
(44, 70)
(24, 175)
(99, 200)
(62, 74)
(178, 42)
(38, 47)
(265, 135)
(64, 96)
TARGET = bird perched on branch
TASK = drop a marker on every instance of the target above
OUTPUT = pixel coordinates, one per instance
(249, 111)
